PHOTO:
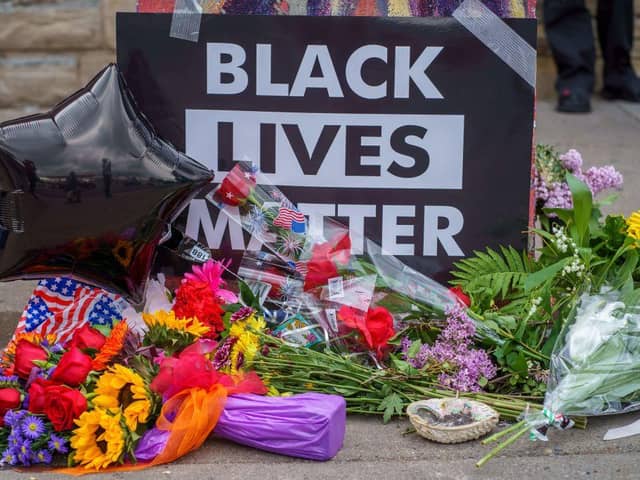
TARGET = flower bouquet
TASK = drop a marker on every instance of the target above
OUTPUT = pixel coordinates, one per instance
(595, 366)
(152, 387)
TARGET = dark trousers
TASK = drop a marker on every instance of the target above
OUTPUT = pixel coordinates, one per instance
(570, 36)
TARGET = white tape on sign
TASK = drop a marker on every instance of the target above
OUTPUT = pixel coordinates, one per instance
(499, 38)
(185, 23)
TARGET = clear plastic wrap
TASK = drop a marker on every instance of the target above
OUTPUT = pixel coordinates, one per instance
(594, 368)
(312, 285)
(595, 365)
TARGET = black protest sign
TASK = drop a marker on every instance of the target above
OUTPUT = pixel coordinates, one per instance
(409, 128)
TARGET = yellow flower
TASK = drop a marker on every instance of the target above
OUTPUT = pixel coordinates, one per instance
(633, 225)
(168, 320)
(123, 251)
(99, 439)
(247, 344)
(120, 387)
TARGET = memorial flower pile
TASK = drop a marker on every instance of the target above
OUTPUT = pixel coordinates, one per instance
(311, 316)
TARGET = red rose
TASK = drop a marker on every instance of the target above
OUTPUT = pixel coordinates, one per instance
(376, 327)
(63, 405)
(324, 257)
(73, 368)
(37, 394)
(9, 399)
(26, 354)
(236, 187)
(194, 299)
(87, 338)
(460, 295)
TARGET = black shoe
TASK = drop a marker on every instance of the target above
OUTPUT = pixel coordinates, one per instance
(574, 101)
(630, 92)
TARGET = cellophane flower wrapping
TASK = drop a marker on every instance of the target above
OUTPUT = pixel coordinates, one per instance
(595, 364)
(362, 296)
(321, 282)
(310, 425)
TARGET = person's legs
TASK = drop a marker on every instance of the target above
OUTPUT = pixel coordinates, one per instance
(615, 30)
(570, 36)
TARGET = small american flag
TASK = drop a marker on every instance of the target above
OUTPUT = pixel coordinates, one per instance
(61, 305)
(302, 268)
(291, 219)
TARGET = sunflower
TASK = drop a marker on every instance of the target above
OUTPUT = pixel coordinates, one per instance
(112, 346)
(99, 439)
(168, 321)
(121, 387)
(123, 251)
(633, 225)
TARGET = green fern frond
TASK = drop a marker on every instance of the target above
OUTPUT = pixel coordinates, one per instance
(493, 273)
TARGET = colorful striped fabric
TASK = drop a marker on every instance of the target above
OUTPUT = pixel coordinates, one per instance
(378, 8)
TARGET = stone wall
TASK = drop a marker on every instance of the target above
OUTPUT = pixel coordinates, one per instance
(50, 48)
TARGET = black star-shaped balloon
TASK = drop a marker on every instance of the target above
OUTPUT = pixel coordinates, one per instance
(88, 190)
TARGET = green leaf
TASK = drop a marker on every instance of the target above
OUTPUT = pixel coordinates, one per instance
(247, 296)
(625, 272)
(394, 303)
(541, 276)
(392, 405)
(582, 206)
(414, 348)
(518, 363)
(104, 329)
(562, 213)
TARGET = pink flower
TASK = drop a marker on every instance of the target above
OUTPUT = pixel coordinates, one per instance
(211, 273)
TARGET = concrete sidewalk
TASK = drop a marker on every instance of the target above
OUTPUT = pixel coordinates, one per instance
(609, 135)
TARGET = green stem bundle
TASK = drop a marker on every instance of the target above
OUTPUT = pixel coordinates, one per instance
(366, 390)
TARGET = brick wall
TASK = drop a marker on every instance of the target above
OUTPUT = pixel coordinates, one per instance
(50, 48)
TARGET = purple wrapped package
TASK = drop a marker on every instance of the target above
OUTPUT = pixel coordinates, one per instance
(310, 425)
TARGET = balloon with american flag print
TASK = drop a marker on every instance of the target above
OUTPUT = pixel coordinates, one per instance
(61, 305)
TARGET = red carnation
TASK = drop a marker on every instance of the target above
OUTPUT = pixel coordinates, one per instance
(195, 299)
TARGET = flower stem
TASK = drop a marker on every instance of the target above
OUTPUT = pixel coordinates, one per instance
(502, 446)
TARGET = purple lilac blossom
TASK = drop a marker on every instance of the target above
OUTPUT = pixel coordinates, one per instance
(572, 161)
(558, 195)
(464, 366)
